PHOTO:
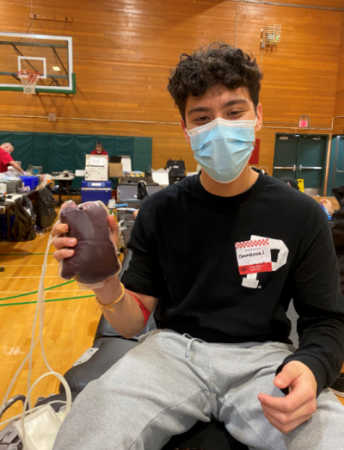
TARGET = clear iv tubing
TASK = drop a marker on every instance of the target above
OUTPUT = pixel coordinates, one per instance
(29, 355)
(39, 309)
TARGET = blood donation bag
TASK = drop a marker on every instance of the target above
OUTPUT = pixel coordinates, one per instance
(95, 258)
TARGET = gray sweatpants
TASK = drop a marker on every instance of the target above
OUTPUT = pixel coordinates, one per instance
(170, 381)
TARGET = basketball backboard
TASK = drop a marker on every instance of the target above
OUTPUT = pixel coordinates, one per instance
(52, 56)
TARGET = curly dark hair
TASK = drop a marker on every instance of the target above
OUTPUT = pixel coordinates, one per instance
(210, 66)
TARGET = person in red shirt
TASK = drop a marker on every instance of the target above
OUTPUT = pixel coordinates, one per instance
(99, 150)
(6, 159)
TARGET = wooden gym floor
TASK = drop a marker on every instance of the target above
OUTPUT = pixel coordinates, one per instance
(69, 324)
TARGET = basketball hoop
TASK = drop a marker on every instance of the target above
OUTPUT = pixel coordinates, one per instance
(29, 80)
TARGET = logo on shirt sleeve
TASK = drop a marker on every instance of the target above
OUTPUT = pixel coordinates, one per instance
(254, 256)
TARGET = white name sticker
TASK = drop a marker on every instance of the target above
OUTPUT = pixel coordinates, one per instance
(253, 256)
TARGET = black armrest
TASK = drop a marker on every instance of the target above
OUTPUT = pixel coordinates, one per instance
(212, 435)
(110, 351)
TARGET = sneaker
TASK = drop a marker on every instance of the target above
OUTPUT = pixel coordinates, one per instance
(338, 386)
(142, 190)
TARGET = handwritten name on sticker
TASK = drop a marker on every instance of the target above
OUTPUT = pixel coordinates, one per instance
(253, 256)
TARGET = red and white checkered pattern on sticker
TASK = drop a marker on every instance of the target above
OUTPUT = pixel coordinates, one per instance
(247, 244)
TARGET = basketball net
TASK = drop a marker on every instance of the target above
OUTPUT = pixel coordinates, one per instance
(29, 80)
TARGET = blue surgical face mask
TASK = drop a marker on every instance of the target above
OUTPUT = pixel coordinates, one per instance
(223, 147)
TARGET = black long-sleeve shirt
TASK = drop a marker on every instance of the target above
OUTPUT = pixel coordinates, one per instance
(184, 253)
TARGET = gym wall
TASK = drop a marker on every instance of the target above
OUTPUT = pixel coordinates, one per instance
(124, 50)
(339, 108)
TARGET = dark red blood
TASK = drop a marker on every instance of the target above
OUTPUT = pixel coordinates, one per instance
(95, 257)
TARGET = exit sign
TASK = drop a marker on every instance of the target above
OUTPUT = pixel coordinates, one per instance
(304, 122)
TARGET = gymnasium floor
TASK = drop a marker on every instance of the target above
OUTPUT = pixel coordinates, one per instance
(70, 323)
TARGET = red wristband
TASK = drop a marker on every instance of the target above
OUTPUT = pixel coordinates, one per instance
(145, 311)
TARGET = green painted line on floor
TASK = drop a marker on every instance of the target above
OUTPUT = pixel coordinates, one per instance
(36, 292)
(48, 301)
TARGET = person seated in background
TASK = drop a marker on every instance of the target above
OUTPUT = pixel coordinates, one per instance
(337, 229)
(99, 150)
(218, 256)
(6, 159)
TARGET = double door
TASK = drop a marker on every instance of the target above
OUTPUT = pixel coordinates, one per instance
(301, 157)
(336, 165)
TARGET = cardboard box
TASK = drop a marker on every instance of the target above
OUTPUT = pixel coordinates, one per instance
(115, 170)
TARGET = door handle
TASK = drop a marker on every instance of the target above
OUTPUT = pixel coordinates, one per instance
(335, 169)
(340, 171)
(287, 168)
(309, 168)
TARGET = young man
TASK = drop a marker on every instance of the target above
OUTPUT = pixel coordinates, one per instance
(220, 255)
(6, 159)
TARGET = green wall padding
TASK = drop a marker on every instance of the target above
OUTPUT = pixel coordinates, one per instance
(142, 154)
(64, 153)
(83, 145)
(43, 151)
(23, 142)
(125, 147)
(57, 152)
(5, 136)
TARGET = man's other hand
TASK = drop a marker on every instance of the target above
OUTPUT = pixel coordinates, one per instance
(287, 413)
